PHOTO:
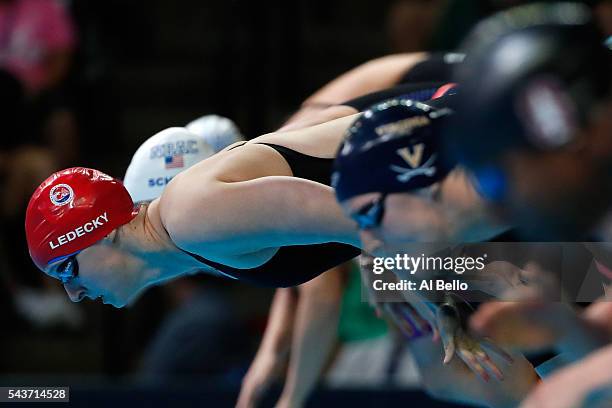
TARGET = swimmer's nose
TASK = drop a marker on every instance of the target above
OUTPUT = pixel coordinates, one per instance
(75, 293)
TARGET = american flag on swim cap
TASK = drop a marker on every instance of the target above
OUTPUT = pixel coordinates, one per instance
(174, 161)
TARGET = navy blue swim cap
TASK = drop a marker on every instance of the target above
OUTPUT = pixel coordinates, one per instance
(390, 148)
(531, 79)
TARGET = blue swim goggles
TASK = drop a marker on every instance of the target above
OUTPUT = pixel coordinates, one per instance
(490, 183)
(372, 214)
(67, 270)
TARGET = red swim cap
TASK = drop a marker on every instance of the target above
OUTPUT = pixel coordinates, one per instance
(72, 210)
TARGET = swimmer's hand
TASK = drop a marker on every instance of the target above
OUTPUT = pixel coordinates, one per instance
(266, 369)
(506, 281)
(533, 319)
(530, 325)
(497, 278)
(473, 350)
(406, 317)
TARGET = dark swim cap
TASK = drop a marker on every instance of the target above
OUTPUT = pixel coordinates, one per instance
(390, 148)
(532, 77)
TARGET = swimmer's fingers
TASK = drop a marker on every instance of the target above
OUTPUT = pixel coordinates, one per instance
(449, 347)
(486, 362)
(468, 346)
(470, 352)
(486, 342)
(448, 325)
(472, 362)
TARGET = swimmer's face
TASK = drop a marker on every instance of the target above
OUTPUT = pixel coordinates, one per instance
(554, 195)
(387, 222)
(558, 194)
(102, 271)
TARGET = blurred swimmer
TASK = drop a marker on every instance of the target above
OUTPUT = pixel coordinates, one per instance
(533, 122)
(153, 165)
(218, 131)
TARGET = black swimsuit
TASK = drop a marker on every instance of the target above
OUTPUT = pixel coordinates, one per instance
(296, 264)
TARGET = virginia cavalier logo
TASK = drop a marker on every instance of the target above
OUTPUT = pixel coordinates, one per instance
(414, 159)
(61, 194)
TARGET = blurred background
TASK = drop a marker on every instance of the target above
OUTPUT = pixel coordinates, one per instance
(84, 82)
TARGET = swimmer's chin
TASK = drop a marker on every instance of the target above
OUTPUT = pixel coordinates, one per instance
(115, 305)
(120, 304)
(112, 302)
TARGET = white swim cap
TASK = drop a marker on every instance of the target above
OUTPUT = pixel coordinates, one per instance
(217, 131)
(161, 157)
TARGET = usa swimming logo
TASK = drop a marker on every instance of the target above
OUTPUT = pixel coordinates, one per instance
(61, 194)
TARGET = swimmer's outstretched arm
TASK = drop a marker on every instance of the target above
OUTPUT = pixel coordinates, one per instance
(249, 216)
(252, 205)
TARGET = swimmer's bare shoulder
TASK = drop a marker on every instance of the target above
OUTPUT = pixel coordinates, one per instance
(201, 192)
(199, 208)
(243, 201)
